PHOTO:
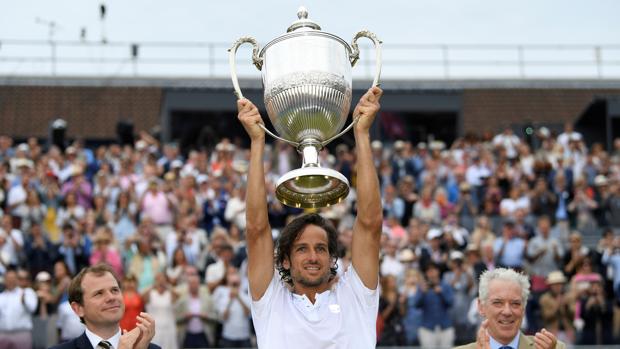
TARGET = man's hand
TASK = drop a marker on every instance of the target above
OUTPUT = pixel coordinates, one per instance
(146, 324)
(130, 338)
(250, 118)
(367, 109)
(483, 341)
(545, 340)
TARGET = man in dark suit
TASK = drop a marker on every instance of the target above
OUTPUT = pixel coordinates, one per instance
(502, 295)
(95, 296)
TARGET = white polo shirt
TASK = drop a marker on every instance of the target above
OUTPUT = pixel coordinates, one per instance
(343, 317)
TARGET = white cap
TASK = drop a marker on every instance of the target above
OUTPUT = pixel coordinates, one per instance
(433, 233)
(176, 163)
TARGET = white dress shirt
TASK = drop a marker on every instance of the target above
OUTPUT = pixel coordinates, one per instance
(95, 339)
(15, 314)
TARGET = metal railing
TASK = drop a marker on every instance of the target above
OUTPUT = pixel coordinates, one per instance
(400, 61)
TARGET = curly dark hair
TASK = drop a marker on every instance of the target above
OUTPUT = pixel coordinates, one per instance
(291, 232)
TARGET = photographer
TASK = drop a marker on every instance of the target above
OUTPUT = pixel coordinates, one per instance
(434, 298)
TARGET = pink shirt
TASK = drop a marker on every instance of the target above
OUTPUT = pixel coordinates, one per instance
(156, 207)
(111, 257)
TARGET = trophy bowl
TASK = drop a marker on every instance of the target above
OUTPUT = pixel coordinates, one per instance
(307, 84)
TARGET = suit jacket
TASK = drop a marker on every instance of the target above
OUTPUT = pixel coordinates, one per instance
(525, 342)
(82, 342)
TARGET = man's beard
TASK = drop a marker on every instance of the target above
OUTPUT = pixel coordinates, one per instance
(306, 282)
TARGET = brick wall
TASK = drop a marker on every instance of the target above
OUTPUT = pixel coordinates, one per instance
(494, 109)
(90, 112)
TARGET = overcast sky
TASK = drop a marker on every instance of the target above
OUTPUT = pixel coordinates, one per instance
(589, 22)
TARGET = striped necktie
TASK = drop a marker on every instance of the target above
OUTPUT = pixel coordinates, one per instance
(104, 345)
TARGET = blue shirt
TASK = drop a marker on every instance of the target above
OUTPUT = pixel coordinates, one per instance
(513, 252)
(434, 306)
(514, 344)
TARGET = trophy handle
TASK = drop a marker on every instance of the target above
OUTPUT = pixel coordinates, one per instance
(258, 62)
(256, 59)
(355, 54)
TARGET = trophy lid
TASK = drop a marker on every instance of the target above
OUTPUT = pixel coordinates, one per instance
(303, 23)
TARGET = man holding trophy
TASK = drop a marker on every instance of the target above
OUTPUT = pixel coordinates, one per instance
(305, 308)
(308, 89)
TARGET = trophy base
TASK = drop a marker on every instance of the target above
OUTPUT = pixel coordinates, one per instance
(312, 187)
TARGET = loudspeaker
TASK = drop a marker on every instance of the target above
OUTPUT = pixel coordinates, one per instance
(57, 131)
(124, 132)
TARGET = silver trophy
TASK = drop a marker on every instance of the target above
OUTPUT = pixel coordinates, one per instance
(307, 80)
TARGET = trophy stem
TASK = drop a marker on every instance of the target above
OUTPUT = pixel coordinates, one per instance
(310, 153)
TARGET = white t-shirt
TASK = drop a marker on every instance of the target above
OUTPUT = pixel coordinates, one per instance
(343, 317)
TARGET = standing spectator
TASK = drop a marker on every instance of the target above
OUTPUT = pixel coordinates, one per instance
(544, 253)
(426, 209)
(145, 264)
(510, 249)
(596, 314)
(611, 258)
(416, 243)
(159, 302)
(177, 268)
(462, 283)
(40, 251)
(105, 251)
(158, 206)
(216, 272)
(508, 141)
(393, 206)
(45, 309)
(68, 323)
(390, 313)
(435, 298)
(72, 250)
(582, 208)
(390, 265)
(575, 254)
(476, 174)
(412, 316)
(233, 308)
(34, 212)
(17, 305)
(124, 221)
(482, 233)
(70, 213)
(568, 135)
(11, 243)
(465, 208)
(235, 208)
(133, 303)
(18, 193)
(196, 313)
(543, 201)
(611, 206)
(79, 186)
(557, 308)
(406, 192)
(62, 279)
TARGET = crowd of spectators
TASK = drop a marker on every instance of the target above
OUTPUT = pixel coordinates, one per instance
(172, 226)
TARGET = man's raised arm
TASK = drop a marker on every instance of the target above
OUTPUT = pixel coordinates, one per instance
(258, 231)
(367, 227)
